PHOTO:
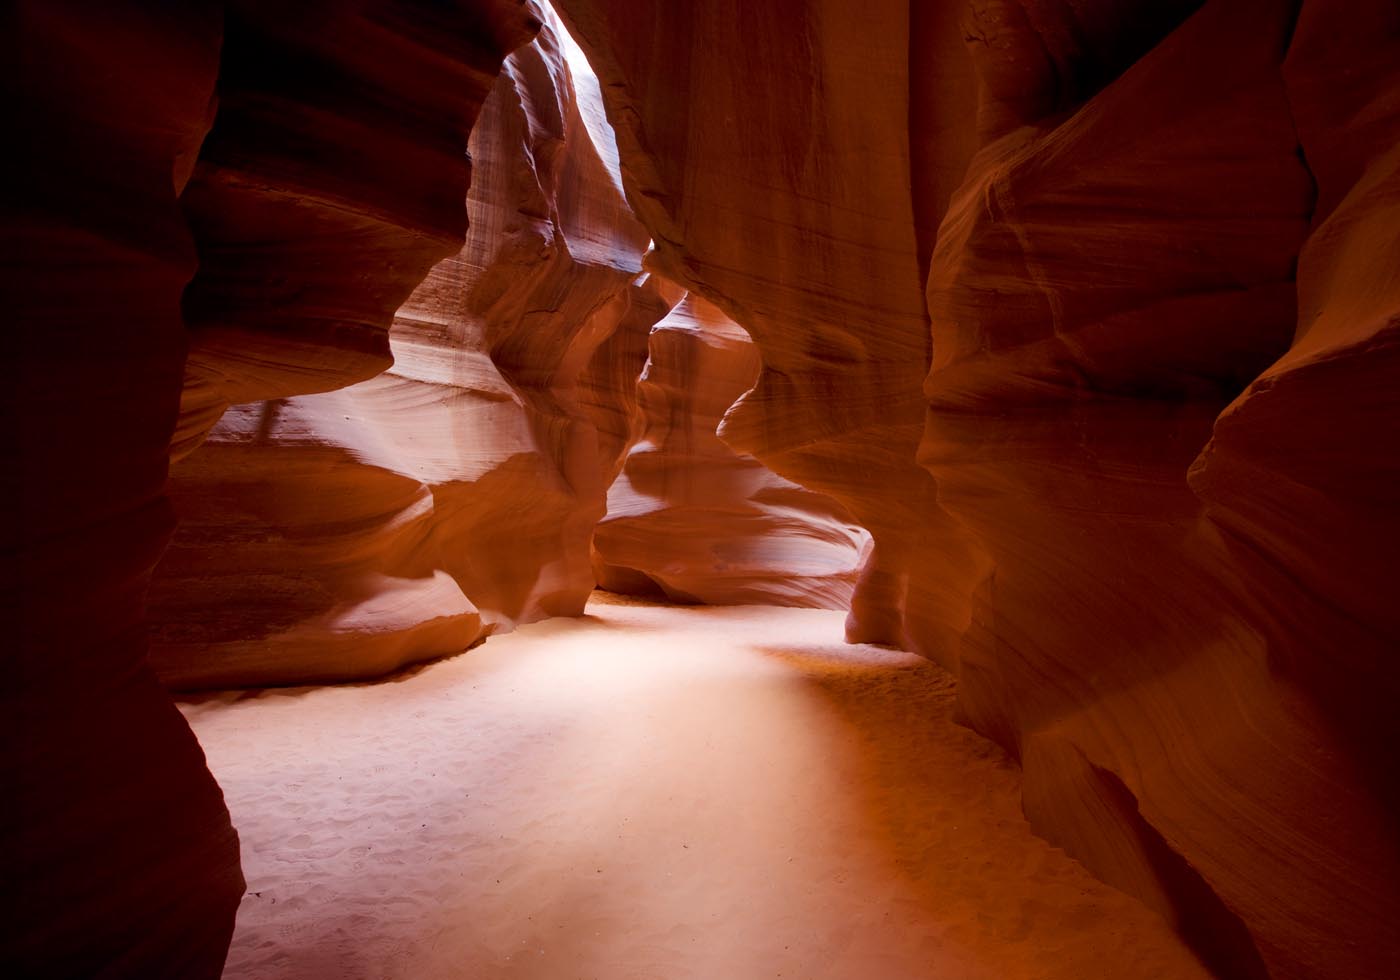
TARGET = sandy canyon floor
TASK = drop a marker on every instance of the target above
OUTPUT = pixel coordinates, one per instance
(651, 792)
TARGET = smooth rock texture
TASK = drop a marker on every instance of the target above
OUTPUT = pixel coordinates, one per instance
(352, 532)
(1086, 310)
(1300, 472)
(332, 181)
(1079, 366)
(691, 519)
(789, 205)
(116, 853)
(1300, 477)
(341, 133)
(1182, 647)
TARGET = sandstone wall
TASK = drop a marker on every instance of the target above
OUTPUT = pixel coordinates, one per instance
(689, 518)
(332, 181)
(346, 534)
(118, 857)
(788, 205)
(1148, 522)
(115, 847)
(1085, 310)
(1105, 283)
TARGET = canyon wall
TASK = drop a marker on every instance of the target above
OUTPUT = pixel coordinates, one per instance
(115, 846)
(332, 181)
(1105, 283)
(118, 856)
(1140, 504)
(352, 532)
(694, 521)
(788, 205)
(1087, 311)
(1300, 472)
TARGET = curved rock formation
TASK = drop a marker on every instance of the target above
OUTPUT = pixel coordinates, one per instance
(1298, 473)
(332, 181)
(118, 856)
(352, 532)
(788, 205)
(1079, 365)
(1086, 309)
(1300, 477)
(693, 520)
(1176, 663)
(115, 848)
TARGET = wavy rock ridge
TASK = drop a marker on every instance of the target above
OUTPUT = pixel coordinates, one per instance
(691, 519)
(1151, 554)
(405, 517)
(1085, 310)
(331, 179)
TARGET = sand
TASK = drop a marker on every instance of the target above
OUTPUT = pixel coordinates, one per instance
(651, 792)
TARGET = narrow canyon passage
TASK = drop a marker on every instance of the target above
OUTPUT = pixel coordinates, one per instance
(651, 792)
(1053, 344)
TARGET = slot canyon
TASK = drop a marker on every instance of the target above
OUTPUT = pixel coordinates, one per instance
(716, 489)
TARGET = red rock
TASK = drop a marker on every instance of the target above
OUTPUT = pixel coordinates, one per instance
(340, 119)
(1102, 286)
(401, 519)
(693, 520)
(1115, 269)
(789, 205)
(1300, 477)
(1092, 325)
(1298, 471)
(116, 851)
(332, 181)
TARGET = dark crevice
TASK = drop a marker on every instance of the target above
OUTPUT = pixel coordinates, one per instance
(1215, 933)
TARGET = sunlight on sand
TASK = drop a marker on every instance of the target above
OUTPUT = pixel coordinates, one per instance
(651, 792)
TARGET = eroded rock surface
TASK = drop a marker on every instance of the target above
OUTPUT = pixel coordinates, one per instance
(1300, 473)
(1173, 641)
(332, 180)
(789, 205)
(351, 532)
(690, 518)
(1103, 285)
(340, 133)
(1086, 310)
(116, 851)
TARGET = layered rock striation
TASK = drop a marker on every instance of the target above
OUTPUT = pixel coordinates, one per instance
(1149, 530)
(352, 532)
(115, 847)
(1104, 283)
(331, 179)
(1086, 311)
(788, 205)
(689, 518)
(1299, 474)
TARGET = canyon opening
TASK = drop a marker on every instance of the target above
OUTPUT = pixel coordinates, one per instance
(702, 489)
